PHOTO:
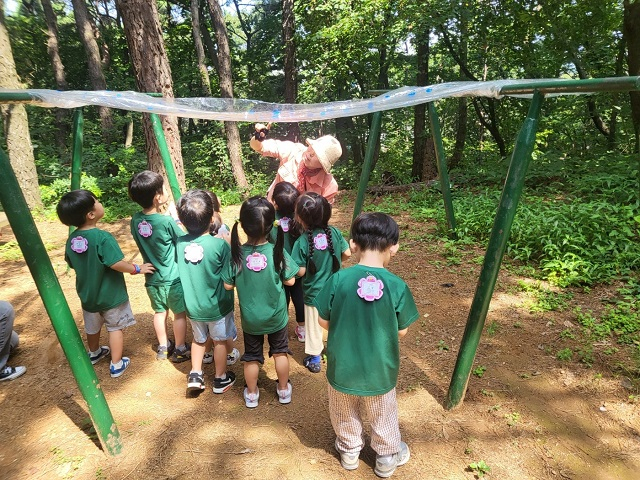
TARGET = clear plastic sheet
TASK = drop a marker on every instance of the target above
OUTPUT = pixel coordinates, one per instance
(242, 110)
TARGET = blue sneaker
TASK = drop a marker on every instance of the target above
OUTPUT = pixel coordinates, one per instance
(116, 372)
(313, 363)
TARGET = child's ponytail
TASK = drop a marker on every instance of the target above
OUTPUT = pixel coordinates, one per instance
(311, 265)
(335, 265)
(278, 253)
(236, 253)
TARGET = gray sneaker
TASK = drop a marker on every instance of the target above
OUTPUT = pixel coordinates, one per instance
(386, 464)
(349, 461)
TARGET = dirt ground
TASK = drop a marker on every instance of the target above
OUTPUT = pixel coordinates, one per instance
(528, 416)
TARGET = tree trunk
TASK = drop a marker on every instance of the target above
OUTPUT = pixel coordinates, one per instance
(96, 76)
(16, 124)
(613, 120)
(461, 128)
(419, 111)
(128, 135)
(290, 70)
(197, 39)
(249, 63)
(429, 168)
(58, 71)
(210, 47)
(153, 74)
(226, 90)
(632, 38)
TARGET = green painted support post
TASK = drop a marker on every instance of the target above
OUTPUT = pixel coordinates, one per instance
(443, 174)
(166, 156)
(374, 131)
(495, 250)
(56, 305)
(76, 156)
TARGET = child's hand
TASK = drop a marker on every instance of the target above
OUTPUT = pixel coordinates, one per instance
(147, 268)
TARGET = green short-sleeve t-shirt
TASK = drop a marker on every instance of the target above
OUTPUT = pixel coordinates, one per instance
(91, 253)
(311, 284)
(156, 236)
(263, 306)
(201, 260)
(365, 308)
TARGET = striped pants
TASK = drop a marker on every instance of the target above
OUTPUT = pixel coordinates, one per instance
(381, 411)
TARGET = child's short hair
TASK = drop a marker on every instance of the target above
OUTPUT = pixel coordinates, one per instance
(374, 231)
(216, 223)
(74, 206)
(144, 186)
(214, 200)
(284, 196)
(195, 210)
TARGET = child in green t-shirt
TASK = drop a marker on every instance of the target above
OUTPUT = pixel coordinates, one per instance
(201, 259)
(99, 263)
(155, 235)
(366, 310)
(284, 200)
(259, 269)
(319, 252)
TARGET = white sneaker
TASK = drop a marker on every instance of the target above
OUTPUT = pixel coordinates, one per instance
(301, 333)
(386, 464)
(208, 357)
(284, 396)
(233, 356)
(251, 399)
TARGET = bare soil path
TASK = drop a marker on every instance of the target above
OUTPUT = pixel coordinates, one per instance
(526, 414)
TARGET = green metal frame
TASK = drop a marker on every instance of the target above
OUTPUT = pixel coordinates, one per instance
(374, 131)
(443, 174)
(495, 250)
(35, 255)
(57, 307)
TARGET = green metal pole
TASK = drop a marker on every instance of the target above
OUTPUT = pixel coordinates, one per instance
(56, 305)
(495, 250)
(374, 131)
(76, 157)
(443, 174)
(166, 156)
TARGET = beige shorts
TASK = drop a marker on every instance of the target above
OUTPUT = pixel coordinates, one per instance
(116, 318)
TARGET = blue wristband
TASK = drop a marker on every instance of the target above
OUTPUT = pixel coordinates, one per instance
(137, 269)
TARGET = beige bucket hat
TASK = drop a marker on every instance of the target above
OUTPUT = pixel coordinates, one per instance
(327, 149)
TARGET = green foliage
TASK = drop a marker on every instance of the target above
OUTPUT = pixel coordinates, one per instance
(480, 468)
(545, 300)
(479, 371)
(621, 320)
(582, 230)
(565, 354)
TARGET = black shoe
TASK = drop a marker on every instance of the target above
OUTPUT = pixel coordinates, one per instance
(221, 385)
(195, 382)
(9, 373)
(104, 351)
(180, 356)
(164, 352)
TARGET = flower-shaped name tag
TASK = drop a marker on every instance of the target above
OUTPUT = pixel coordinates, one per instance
(256, 262)
(145, 229)
(320, 241)
(284, 223)
(79, 244)
(370, 288)
(193, 253)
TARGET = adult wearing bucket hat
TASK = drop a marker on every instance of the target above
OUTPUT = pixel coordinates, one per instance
(307, 167)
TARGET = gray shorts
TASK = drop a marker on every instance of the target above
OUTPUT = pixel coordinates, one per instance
(219, 331)
(116, 318)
